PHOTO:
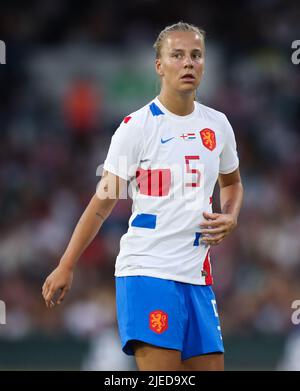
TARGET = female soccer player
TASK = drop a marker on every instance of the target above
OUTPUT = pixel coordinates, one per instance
(173, 150)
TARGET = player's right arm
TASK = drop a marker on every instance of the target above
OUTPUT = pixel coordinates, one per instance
(97, 211)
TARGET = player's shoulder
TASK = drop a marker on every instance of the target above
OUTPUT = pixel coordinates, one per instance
(139, 117)
(211, 114)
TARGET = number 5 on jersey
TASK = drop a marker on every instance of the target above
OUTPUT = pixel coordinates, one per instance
(189, 170)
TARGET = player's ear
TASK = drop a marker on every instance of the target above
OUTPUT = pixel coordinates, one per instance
(158, 67)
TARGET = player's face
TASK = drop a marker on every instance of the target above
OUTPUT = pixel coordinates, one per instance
(181, 64)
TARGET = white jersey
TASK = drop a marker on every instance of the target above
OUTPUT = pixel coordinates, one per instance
(173, 163)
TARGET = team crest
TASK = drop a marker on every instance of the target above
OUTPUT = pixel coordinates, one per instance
(208, 138)
(158, 321)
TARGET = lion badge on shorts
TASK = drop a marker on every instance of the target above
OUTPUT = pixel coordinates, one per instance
(208, 138)
(158, 321)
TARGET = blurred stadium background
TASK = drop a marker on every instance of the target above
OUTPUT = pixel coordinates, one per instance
(74, 70)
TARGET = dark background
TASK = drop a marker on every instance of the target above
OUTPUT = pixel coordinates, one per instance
(73, 70)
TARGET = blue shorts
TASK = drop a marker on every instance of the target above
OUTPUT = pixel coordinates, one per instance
(169, 314)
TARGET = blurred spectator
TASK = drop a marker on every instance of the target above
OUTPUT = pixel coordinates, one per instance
(81, 106)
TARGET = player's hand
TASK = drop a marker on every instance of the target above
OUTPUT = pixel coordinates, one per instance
(216, 227)
(60, 280)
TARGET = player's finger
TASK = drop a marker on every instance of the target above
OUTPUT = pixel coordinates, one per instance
(45, 284)
(211, 223)
(45, 288)
(62, 295)
(212, 216)
(219, 241)
(215, 243)
(213, 231)
(49, 303)
(49, 294)
(44, 293)
(212, 239)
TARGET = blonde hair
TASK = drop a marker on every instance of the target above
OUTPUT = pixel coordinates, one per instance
(180, 26)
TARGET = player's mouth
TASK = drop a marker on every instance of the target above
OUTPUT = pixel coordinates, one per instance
(188, 77)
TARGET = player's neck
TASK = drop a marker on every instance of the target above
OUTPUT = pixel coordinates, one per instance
(177, 103)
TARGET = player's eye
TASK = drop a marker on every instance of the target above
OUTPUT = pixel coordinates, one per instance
(197, 56)
(177, 55)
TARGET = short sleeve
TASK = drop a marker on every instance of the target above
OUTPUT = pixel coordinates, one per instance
(125, 150)
(229, 160)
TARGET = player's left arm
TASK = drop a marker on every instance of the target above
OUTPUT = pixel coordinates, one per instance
(217, 226)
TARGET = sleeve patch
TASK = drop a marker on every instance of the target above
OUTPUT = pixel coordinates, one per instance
(127, 119)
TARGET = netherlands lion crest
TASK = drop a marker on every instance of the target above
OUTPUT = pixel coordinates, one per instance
(208, 138)
(158, 321)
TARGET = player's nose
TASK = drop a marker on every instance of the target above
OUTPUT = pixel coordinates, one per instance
(188, 62)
